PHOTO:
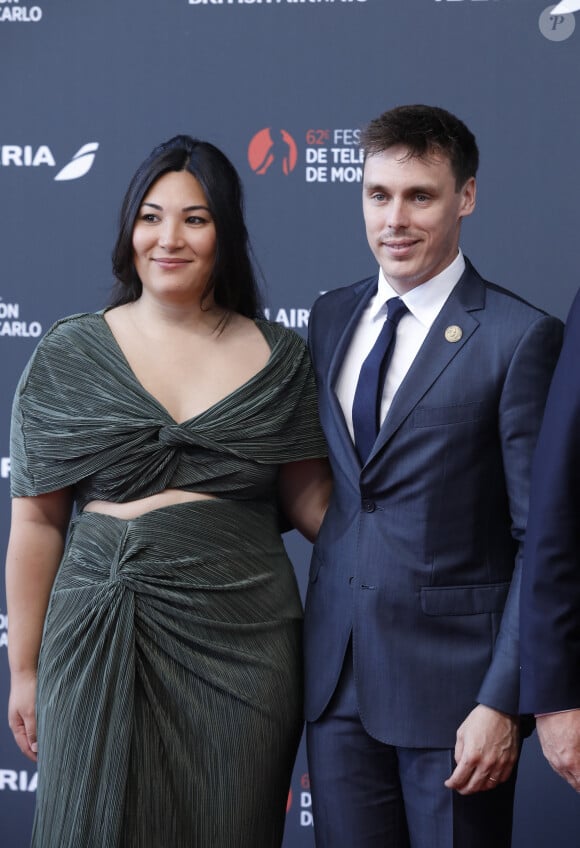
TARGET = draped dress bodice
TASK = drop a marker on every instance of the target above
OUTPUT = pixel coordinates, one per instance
(82, 418)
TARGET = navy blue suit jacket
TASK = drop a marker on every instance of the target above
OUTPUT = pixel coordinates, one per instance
(550, 619)
(419, 552)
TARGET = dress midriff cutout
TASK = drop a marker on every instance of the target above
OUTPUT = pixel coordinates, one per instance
(133, 509)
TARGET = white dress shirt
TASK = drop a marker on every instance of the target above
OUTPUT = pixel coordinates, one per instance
(424, 304)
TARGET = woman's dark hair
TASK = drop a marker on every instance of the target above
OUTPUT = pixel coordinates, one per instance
(233, 280)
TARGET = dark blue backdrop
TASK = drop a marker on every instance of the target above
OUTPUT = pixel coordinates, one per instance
(87, 89)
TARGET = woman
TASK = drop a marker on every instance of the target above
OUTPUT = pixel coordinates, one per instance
(167, 686)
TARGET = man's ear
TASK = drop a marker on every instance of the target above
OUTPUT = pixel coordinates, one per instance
(468, 192)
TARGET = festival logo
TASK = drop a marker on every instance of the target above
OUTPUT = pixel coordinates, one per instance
(272, 150)
(330, 155)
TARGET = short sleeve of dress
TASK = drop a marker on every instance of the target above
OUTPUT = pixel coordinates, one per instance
(58, 432)
(21, 479)
(298, 431)
(309, 439)
(34, 428)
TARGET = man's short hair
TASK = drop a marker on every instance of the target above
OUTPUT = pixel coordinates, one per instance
(425, 130)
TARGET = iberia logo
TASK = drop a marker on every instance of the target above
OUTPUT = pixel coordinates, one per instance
(272, 149)
(80, 164)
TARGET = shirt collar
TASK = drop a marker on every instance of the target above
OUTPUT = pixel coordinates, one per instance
(424, 301)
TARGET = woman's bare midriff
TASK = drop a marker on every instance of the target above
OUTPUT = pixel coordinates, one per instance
(133, 509)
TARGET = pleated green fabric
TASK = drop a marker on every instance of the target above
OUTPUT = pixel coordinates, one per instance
(80, 417)
(170, 695)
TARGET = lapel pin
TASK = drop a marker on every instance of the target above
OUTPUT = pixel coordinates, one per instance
(453, 333)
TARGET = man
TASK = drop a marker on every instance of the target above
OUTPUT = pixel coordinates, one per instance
(412, 666)
(550, 632)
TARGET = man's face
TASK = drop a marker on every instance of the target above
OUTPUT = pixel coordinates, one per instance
(413, 214)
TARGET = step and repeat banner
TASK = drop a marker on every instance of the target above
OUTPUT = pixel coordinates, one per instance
(283, 87)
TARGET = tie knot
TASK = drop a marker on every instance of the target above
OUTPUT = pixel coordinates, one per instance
(395, 309)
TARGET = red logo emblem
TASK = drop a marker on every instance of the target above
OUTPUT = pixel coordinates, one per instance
(272, 150)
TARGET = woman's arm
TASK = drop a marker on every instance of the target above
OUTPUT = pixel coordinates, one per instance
(37, 537)
(304, 490)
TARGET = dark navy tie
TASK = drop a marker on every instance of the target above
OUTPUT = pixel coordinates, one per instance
(366, 408)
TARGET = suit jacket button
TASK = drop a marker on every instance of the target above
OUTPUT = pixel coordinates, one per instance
(368, 505)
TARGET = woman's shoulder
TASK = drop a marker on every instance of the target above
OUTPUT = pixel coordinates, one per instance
(66, 344)
(276, 332)
(73, 325)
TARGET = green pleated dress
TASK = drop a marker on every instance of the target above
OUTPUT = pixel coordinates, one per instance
(169, 682)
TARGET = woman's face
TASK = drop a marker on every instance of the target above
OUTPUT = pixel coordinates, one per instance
(174, 238)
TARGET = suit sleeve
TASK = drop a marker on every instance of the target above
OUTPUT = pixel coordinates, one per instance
(550, 599)
(520, 415)
(312, 332)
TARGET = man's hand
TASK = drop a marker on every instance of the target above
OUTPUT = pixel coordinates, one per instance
(485, 752)
(559, 735)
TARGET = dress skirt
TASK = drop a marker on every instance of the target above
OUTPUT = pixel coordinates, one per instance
(170, 682)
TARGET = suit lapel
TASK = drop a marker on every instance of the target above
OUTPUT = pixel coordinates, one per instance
(351, 308)
(435, 353)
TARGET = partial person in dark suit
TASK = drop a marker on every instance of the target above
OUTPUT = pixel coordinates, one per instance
(412, 662)
(550, 620)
